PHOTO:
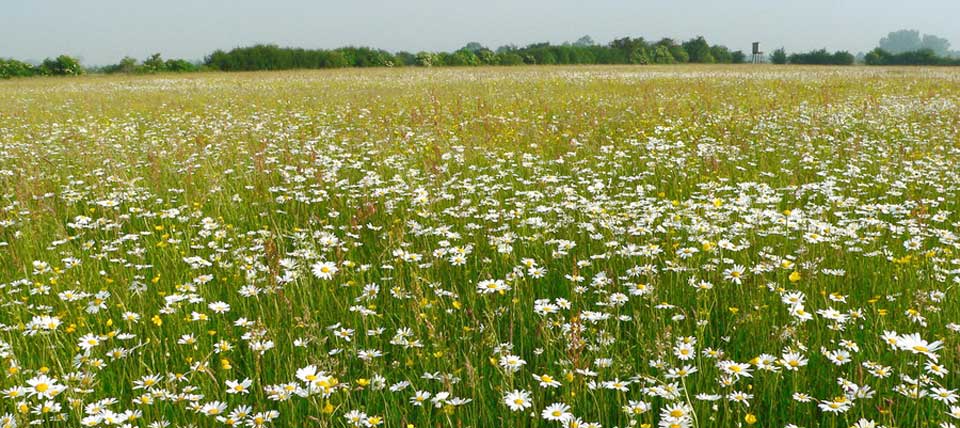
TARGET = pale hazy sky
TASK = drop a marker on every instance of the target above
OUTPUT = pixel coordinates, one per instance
(103, 31)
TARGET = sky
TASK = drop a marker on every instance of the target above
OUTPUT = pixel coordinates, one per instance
(104, 31)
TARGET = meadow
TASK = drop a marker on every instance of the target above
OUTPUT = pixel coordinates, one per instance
(688, 246)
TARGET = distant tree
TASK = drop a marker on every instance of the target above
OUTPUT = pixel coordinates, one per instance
(876, 57)
(680, 54)
(462, 57)
(584, 54)
(509, 58)
(699, 50)
(542, 56)
(405, 58)
(662, 55)
(640, 56)
(918, 57)
(13, 68)
(426, 59)
(179, 66)
(218, 60)
(901, 41)
(584, 42)
(486, 56)
(154, 64)
(63, 65)
(632, 50)
(721, 54)
(843, 58)
(779, 56)
(127, 65)
(676, 51)
(473, 47)
(822, 57)
(333, 59)
(938, 45)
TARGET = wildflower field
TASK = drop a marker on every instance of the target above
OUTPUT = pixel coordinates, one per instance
(696, 246)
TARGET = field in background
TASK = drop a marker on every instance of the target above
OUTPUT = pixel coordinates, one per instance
(537, 246)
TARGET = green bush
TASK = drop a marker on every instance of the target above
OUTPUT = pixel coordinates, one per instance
(63, 65)
(13, 68)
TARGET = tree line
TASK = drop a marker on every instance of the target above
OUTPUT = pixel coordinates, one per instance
(904, 47)
(909, 47)
(620, 51)
(63, 65)
(814, 57)
(625, 50)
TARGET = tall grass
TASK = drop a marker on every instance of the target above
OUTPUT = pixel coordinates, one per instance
(662, 242)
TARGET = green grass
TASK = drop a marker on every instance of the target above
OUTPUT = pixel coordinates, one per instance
(813, 179)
